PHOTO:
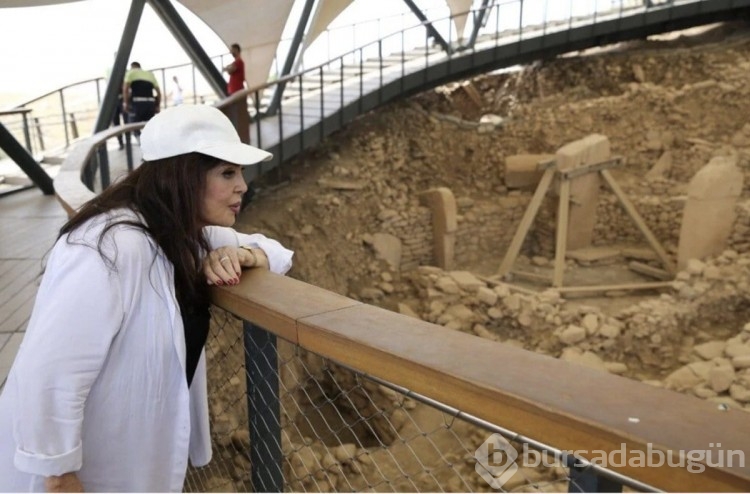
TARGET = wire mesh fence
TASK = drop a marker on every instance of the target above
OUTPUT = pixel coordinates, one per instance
(337, 430)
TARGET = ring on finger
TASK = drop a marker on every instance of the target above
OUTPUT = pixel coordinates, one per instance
(225, 258)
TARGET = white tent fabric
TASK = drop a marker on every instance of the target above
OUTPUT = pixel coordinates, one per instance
(325, 13)
(256, 25)
(31, 3)
(458, 7)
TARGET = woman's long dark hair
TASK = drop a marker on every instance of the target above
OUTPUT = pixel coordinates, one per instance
(168, 194)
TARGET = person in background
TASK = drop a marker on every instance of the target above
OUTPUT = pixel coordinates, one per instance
(176, 92)
(108, 390)
(141, 95)
(236, 71)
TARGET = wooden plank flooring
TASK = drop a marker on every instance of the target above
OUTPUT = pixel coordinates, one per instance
(29, 222)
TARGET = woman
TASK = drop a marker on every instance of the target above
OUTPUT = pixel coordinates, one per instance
(108, 390)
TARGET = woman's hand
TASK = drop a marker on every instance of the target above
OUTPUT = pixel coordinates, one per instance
(67, 482)
(223, 266)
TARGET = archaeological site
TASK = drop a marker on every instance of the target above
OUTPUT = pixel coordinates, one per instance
(594, 208)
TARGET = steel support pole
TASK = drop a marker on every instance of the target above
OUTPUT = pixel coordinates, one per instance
(23, 159)
(478, 22)
(299, 34)
(586, 480)
(263, 409)
(114, 85)
(428, 25)
(171, 18)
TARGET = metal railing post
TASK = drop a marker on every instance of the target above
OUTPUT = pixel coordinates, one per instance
(25, 161)
(361, 77)
(73, 126)
(263, 408)
(26, 134)
(341, 94)
(39, 133)
(301, 118)
(104, 166)
(129, 151)
(257, 118)
(584, 479)
(380, 70)
(195, 89)
(87, 175)
(64, 118)
(322, 106)
(164, 89)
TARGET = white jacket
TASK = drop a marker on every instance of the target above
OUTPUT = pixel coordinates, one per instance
(98, 386)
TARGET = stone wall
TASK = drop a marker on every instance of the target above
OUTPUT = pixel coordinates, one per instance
(662, 216)
(483, 226)
(414, 228)
(486, 227)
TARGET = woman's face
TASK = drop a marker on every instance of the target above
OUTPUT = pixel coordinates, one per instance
(224, 188)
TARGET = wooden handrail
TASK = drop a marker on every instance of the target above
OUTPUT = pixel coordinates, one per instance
(562, 404)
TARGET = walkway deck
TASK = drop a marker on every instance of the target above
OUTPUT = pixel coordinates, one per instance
(29, 222)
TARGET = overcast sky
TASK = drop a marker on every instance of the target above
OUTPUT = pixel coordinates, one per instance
(59, 44)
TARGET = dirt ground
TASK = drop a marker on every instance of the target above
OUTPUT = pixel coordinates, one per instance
(685, 94)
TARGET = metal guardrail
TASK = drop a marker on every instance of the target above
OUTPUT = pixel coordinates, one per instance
(59, 117)
(335, 395)
(310, 424)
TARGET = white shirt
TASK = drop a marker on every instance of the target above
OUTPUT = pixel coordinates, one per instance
(98, 386)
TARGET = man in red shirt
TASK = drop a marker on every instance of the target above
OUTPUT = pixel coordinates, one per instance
(236, 71)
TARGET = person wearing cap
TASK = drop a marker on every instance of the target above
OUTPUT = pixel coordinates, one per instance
(108, 390)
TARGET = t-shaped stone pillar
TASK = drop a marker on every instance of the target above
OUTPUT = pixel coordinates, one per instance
(584, 189)
(710, 210)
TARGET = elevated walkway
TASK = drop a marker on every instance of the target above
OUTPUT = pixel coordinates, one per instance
(327, 104)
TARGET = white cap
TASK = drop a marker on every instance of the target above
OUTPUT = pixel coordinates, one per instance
(196, 129)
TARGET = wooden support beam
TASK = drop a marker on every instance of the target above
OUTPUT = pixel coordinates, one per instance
(562, 232)
(526, 221)
(528, 275)
(591, 168)
(655, 285)
(547, 164)
(495, 280)
(633, 213)
(473, 94)
(650, 271)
